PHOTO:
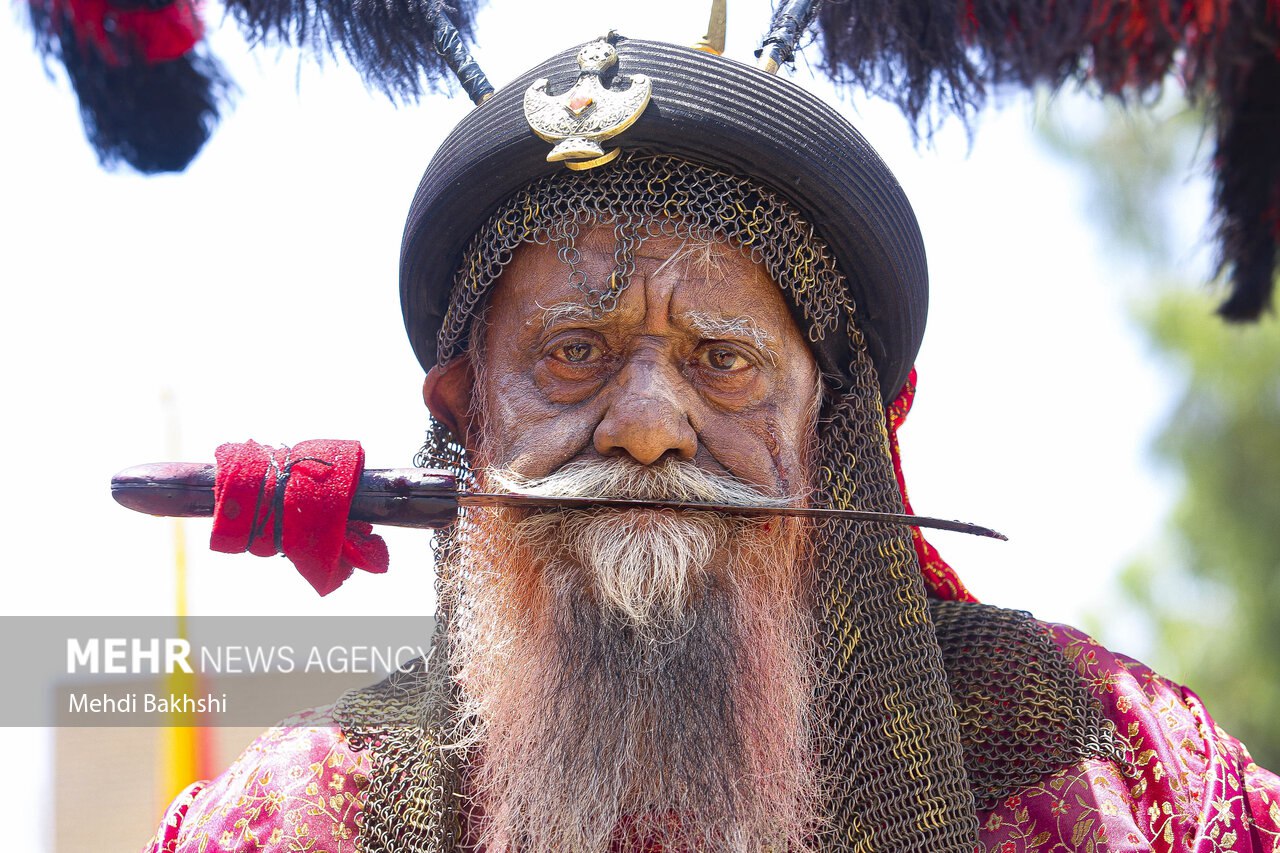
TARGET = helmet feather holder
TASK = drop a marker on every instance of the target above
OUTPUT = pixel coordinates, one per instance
(888, 739)
(790, 22)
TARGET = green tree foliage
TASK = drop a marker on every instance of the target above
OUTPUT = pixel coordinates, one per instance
(1209, 592)
(1213, 590)
(1136, 162)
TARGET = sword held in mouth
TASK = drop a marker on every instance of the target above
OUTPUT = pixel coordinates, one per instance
(424, 498)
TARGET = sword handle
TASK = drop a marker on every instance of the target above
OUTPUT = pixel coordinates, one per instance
(400, 497)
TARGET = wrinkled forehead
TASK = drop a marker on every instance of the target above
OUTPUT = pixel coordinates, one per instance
(702, 281)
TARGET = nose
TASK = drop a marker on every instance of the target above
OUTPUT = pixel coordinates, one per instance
(646, 419)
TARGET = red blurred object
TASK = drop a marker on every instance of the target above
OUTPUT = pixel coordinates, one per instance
(123, 33)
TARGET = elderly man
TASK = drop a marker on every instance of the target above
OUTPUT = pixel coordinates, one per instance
(718, 301)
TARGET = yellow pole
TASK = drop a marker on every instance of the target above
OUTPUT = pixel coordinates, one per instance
(183, 742)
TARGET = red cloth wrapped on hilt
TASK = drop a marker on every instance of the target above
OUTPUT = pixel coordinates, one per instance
(295, 501)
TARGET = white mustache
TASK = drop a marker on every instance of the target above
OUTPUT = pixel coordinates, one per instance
(669, 480)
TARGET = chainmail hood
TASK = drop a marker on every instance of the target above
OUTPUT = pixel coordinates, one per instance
(875, 717)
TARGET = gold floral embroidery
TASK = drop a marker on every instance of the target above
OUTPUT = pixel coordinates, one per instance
(290, 789)
(1187, 785)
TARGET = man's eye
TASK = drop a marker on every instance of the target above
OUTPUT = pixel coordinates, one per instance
(723, 359)
(578, 352)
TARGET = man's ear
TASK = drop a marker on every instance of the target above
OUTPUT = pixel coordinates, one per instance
(447, 392)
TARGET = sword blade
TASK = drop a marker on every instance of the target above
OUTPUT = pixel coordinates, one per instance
(515, 500)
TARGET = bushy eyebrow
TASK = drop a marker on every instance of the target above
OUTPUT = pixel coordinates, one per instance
(741, 328)
(567, 311)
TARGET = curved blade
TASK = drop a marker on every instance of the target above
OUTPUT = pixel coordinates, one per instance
(544, 502)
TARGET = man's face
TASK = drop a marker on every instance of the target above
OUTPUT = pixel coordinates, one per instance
(699, 361)
(636, 676)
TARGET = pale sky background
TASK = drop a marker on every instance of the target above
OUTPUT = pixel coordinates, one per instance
(260, 288)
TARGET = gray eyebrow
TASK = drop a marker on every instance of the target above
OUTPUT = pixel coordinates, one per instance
(574, 311)
(741, 328)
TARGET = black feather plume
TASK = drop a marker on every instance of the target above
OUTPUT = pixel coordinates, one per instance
(911, 54)
(153, 116)
(945, 57)
(390, 42)
(1247, 188)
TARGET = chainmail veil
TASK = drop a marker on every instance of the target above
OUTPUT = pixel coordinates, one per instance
(408, 722)
(894, 744)
(1017, 731)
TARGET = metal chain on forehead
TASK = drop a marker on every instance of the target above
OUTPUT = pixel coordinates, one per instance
(646, 196)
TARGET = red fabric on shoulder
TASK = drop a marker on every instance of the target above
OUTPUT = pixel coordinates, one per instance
(295, 501)
(941, 579)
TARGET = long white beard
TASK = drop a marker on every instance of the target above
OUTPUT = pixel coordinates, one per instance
(635, 677)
